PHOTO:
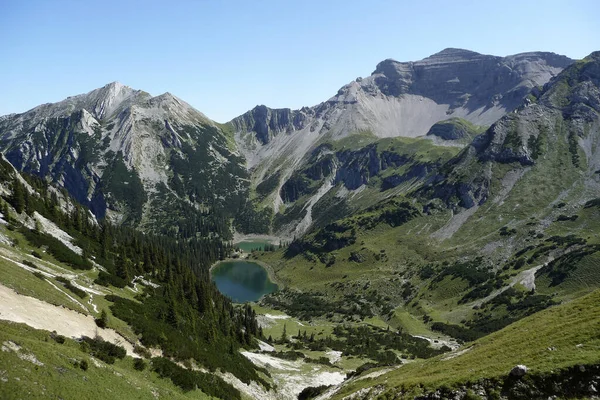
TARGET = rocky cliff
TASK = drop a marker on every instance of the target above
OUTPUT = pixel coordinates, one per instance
(126, 155)
(447, 96)
(560, 126)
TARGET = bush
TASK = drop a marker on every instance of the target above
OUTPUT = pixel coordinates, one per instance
(563, 217)
(102, 322)
(457, 331)
(39, 275)
(83, 364)
(105, 279)
(312, 392)
(67, 284)
(29, 264)
(142, 351)
(60, 339)
(36, 254)
(190, 380)
(139, 364)
(104, 351)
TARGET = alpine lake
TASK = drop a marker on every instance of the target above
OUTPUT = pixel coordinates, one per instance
(242, 281)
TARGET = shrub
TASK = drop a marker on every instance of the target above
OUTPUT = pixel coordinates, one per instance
(312, 392)
(29, 264)
(142, 351)
(104, 351)
(67, 284)
(102, 322)
(106, 279)
(190, 380)
(563, 217)
(139, 364)
(39, 275)
(60, 339)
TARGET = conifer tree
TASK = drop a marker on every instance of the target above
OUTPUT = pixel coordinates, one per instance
(284, 334)
(18, 197)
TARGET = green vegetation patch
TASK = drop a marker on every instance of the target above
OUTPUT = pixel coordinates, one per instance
(560, 337)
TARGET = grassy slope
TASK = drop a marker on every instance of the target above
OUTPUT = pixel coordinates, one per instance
(530, 209)
(24, 282)
(60, 378)
(569, 330)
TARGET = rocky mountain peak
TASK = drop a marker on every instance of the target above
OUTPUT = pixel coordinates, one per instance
(451, 54)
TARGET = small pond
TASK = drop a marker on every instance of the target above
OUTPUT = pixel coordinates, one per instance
(249, 245)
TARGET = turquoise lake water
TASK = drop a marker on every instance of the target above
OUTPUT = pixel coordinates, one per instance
(249, 245)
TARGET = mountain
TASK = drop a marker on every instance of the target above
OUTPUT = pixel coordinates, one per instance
(463, 263)
(559, 125)
(127, 155)
(503, 229)
(399, 99)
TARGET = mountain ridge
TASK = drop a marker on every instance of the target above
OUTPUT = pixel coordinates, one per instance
(90, 142)
(399, 99)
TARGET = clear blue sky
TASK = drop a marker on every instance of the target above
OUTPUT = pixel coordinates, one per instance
(225, 57)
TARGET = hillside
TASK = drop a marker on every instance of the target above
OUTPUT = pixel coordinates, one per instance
(117, 301)
(559, 346)
(504, 229)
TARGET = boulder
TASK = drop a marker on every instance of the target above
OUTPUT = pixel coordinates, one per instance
(518, 371)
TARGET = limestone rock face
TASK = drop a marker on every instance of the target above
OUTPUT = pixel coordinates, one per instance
(124, 153)
(399, 99)
(407, 98)
(560, 125)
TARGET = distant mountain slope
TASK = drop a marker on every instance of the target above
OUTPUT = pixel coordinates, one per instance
(399, 99)
(126, 155)
(159, 164)
(407, 98)
(506, 227)
(560, 125)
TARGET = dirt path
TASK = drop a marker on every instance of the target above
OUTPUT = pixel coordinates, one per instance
(41, 315)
